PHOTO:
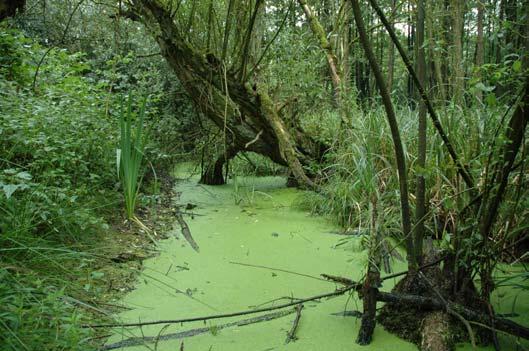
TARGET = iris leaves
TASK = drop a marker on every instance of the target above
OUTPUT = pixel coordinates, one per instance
(130, 154)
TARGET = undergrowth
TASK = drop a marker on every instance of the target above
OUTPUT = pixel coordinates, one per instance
(58, 190)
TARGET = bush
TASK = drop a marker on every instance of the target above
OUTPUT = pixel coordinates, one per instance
(57, 180)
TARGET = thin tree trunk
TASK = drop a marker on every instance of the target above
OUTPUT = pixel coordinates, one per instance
(345, 48)
(247, 54)
(410, 34)
(420, 193)
(372, 281)
(391, 53)
(436, 55)
(480, 52)
(458, 74)
(227, 29)
(462, 169)
(395, 134)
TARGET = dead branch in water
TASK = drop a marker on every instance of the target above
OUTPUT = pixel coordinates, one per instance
(337, 292)
(186, 232)
(291, 335)
(135, 341)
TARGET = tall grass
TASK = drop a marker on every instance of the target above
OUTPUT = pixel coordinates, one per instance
(360, 167)
(130, 154)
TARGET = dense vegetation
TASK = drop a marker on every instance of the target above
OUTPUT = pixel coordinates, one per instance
(261, 87)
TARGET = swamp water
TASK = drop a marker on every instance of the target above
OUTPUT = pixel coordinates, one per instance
(252, 221)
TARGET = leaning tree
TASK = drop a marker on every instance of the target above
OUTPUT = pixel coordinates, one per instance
(215, 49)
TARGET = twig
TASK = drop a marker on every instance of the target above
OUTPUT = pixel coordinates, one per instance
(398, 274)
(192, 332)
(254, 139)
(192, 214)
(291, 335)
(278, 270)
(291, 298)
(337, 292)
(336, 279)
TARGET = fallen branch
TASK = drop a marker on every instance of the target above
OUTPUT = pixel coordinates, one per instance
(186, 232)
(337, 292)
(356, 314)
(135, 341)
(291, 335)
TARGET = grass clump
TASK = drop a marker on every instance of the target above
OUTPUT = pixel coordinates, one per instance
(130, 154)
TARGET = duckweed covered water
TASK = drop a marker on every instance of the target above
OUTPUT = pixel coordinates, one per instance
(250, 221)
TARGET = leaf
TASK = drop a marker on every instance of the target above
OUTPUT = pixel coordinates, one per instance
(484, 88)
(491, 100)
(517, 66)
(118, 160)
(24, 175)
(97, 275)
(9, 189)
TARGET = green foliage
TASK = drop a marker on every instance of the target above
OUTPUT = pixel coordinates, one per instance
(56, 183)
(36, 316)
(360, 169)
(12, 66)
(359, 172)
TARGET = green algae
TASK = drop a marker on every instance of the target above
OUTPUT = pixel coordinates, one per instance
(251, 221)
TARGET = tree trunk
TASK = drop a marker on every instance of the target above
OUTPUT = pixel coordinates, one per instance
(213, 174)
(434, 331)
(372, 281)
(9, 8)
(437, 55)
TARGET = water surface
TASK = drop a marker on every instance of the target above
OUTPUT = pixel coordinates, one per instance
(253, 221)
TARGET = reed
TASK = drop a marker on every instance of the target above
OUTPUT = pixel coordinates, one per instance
(130, 153)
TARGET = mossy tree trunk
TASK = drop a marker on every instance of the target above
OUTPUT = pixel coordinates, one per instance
(330, 55)
(240, 108)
